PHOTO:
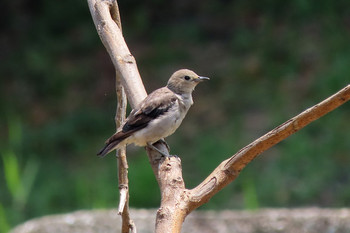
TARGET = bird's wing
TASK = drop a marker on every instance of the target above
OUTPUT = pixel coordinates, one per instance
(153, 106)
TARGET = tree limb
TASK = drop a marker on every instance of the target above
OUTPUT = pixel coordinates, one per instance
(112, 38)
(229, 169)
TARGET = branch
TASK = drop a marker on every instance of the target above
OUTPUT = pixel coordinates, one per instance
(229, 169)
(121, 154)
(112, 38)
(123, 209)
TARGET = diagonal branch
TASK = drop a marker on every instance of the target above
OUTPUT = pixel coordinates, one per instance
(229, 169)
(112, 38)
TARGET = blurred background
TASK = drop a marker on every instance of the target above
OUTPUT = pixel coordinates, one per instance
(268, 60)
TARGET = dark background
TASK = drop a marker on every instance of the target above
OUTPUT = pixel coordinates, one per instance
(268, 60)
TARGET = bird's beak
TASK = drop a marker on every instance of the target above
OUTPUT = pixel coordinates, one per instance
(201, 78)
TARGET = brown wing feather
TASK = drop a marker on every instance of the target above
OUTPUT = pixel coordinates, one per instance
(153, 106)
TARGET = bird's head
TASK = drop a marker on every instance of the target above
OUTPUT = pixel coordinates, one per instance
(184, 81)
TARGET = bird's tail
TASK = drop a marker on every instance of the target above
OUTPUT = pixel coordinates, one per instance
(108, 148)
(111, 144)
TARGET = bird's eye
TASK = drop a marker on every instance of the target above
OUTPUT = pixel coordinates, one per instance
(187, 78)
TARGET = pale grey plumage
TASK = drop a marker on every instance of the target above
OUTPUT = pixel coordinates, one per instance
(159, 114)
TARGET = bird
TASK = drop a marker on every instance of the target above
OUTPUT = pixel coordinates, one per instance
(158, 115)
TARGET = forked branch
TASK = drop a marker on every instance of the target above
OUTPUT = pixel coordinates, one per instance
(177, 201)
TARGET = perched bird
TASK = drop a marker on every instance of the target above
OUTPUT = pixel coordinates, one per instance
(158, 115)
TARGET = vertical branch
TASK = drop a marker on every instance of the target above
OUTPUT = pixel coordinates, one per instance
(123, 209)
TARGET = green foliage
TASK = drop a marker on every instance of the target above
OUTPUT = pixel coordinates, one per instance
(4, 225)
(18, 178)
(250, 194)
(268, 60)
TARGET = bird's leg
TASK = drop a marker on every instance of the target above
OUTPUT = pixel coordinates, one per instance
(149, 145)
(164, 142)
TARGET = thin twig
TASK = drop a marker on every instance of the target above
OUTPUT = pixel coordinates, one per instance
(123, 208)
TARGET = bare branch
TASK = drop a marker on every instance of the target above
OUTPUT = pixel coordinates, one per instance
(229, 169)
(123, 180)
(112, 38)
